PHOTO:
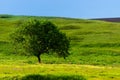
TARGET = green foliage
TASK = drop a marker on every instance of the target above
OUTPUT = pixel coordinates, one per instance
(38, 37)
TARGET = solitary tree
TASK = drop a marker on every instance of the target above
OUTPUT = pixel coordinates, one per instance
(39, 37)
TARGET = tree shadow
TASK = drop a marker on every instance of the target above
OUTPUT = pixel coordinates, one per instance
(52, 77)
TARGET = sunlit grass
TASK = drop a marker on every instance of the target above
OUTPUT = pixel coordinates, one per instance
(89, 72)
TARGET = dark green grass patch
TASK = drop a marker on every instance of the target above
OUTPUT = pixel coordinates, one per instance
(69, 27)
(45, 77)
(6, 16)
(3, 42)
(101, 45)
(51, 77)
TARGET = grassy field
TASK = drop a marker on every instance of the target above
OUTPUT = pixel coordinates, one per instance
(84, 71)
(95, 51)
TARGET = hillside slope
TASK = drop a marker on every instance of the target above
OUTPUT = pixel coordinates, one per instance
(108, 19)
(92, 42)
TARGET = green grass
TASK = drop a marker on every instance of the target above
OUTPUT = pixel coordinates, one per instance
(84, 71)
(92, 43)
(45, 77)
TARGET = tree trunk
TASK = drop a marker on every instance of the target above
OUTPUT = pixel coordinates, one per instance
(39, 59)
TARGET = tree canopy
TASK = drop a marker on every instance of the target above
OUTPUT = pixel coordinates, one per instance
(41, 36)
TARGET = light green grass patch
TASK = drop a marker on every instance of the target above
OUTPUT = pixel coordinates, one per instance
(88, 71)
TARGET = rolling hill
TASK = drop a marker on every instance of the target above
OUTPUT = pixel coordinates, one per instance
(108, 19)
(96, 42)
(93, 42)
